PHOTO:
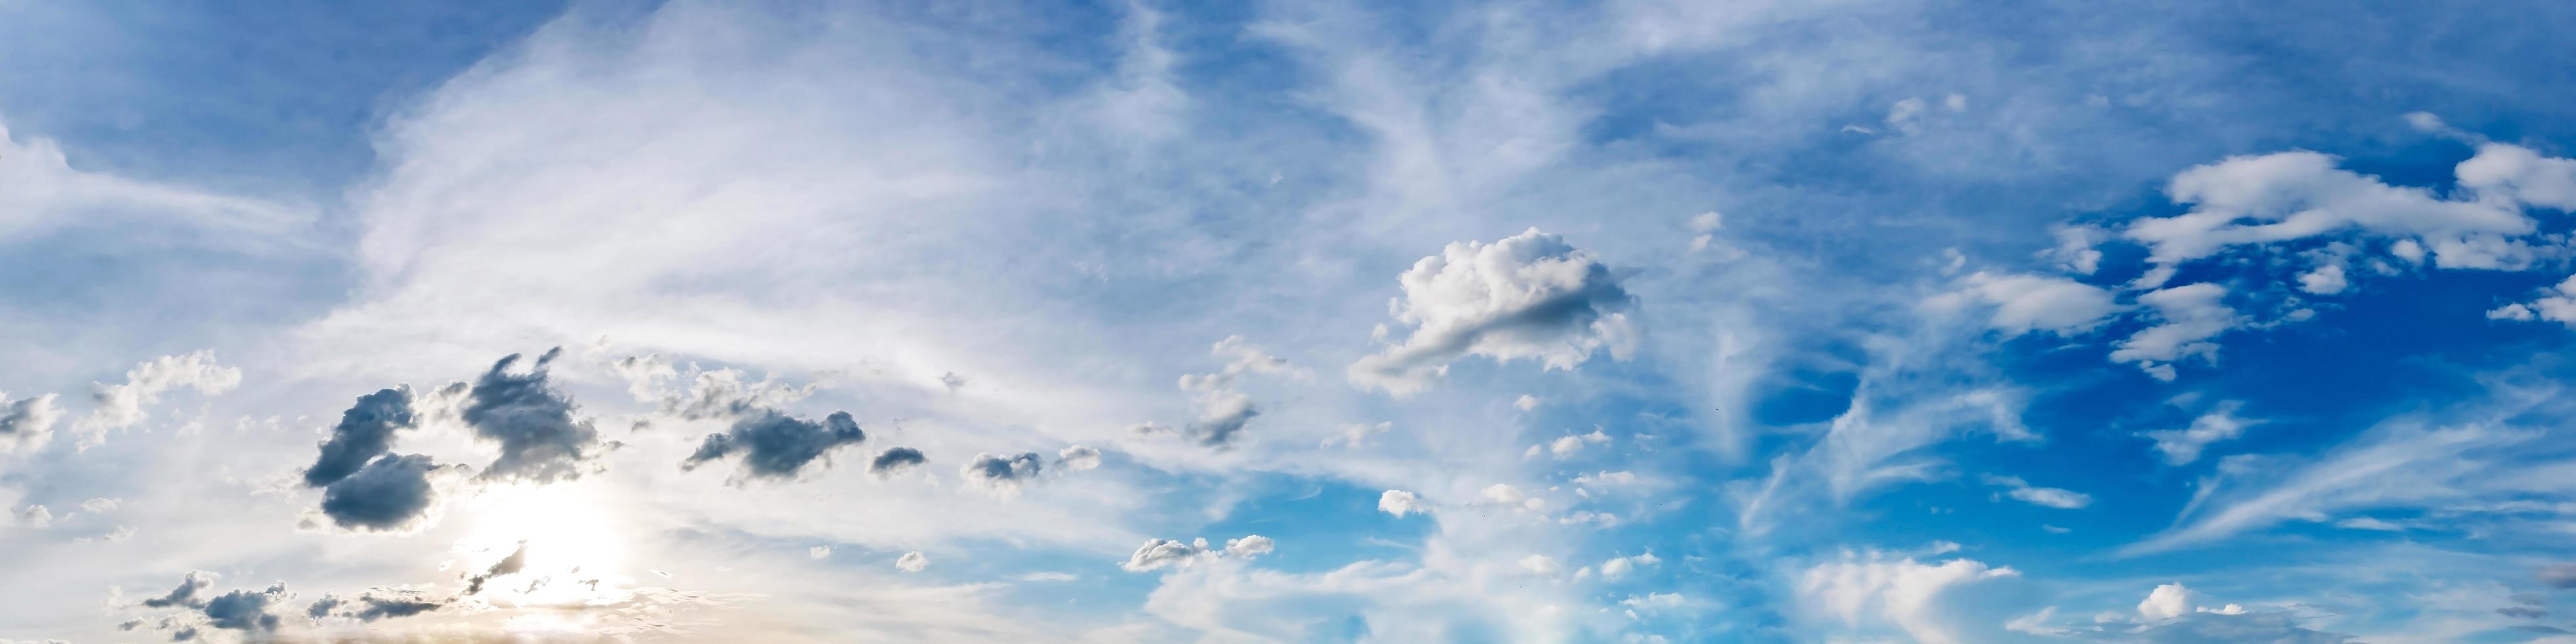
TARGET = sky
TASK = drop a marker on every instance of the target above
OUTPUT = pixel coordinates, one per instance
(1316, 321)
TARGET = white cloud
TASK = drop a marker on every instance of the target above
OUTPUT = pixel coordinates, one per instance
(818, 552)
(1541, 565)
(2077, 248)
(1617, 567)
(1249, 546)
(2296, 195)
(2555, 304)
(1356, 435)
(27, 423)
(1400, 503)
(2517, 173)
(911, 562)
(2025, 303)
(2189, 317)
(123, 405)
(2166, 601)
(41, 192)
(1077, 458)
(1530, 295)
(1526, 402)
(2182, 446)
(1878, 587)
(2324, 280)
(2022, 491)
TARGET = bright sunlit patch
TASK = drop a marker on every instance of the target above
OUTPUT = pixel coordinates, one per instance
(574, 554)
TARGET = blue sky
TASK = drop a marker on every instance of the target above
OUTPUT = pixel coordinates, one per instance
(1308, 322)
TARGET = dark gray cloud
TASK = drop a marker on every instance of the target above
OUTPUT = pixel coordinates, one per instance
(778, 446)
(2525, 612)
(391, 493)
(2561, 576)
(245, 610)
(380, 603)
(1226, 413)
(365, 431)
(517, 560)
(186, 594)
(1001, 474)
(894, 460)
(541, 440)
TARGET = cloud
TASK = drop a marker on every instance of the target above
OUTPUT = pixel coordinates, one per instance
(185, 595)
(1617, 567)
(1001, 475)
(393, 493)
(2560, 576)
(2182, 446)
(40, 192)
(2296, 195)
(2518, 174)
(1357, 435)
(2165, 602)
(1249, 546)
(818, 552)
(1541, 565)
(2026, 303)
(122, 405)
(1222, 416)
(245, 610)
(895, 460)
(365, 431)
(36, 516)
(2555, 304)
(540, 438)
(510, 565)
(1526, 296)
(911, 562)
(376, 604)
(724, 393)
(1876, 586)
(2022, 491)
(1400, 503)
(1242, 357)
(777, 446)
(1158, 554)
(2189, 316)
(1077, 458)
(27, 423)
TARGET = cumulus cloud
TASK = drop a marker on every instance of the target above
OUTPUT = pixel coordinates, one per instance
(184, 596)
(123, 405)
(27, 423)
(2024, 492)
(911, 562)
(1400, 503)
(777, 446)
(541, 440)
(896, 460)
(393, 493)
(1158, 554)
(35, 516)
(1530, 295)
(2189, 317)
(1617, 567)
(2182, 446)
(2296, 195)
(245, 610)
(1222, 415)
(365, 431)
(2166, 601)
(2519, 174)
(2026, 303)
(1078, 458)
(999, 474)
(818, 552)
(2555, 304)
(1896, 590)
(727, 393)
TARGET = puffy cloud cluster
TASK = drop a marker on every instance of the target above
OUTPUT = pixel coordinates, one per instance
(393, 493)
(1899, 591)
(2297, 195)
(1530, 295)
(365, 431)
(2556, 304)
(999, 474)
(541, 439)
(777, 446)
(1400, 503)
(1158, 554)
(26, 423)
(912, 561)
(123, 405)
(184, 596)
(2189, 316)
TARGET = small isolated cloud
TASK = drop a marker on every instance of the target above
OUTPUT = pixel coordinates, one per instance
(365, 431)
(1400, 503)
(2189, 317)
(2026, 303)
(1704, 227)
(27, 423)
(1357, 435)
(1222, 415)
(184, 596)
(818, 552)
(2182, 446)
(2555, 304)
(1617, 567)
(953, 381)
(35, 516)
(2167, 601)
(2024, 492)
(777, 446)
(1242, 357)
(1078, 458)
(1530, 295)
(1249, 546)
(376, 604)
(1158, 554)
(541, 439)
(246, 610)
(895, 460)
(911, 562)
(393, 493)
(123, 405)
(1001, 475)
(1526, 402)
